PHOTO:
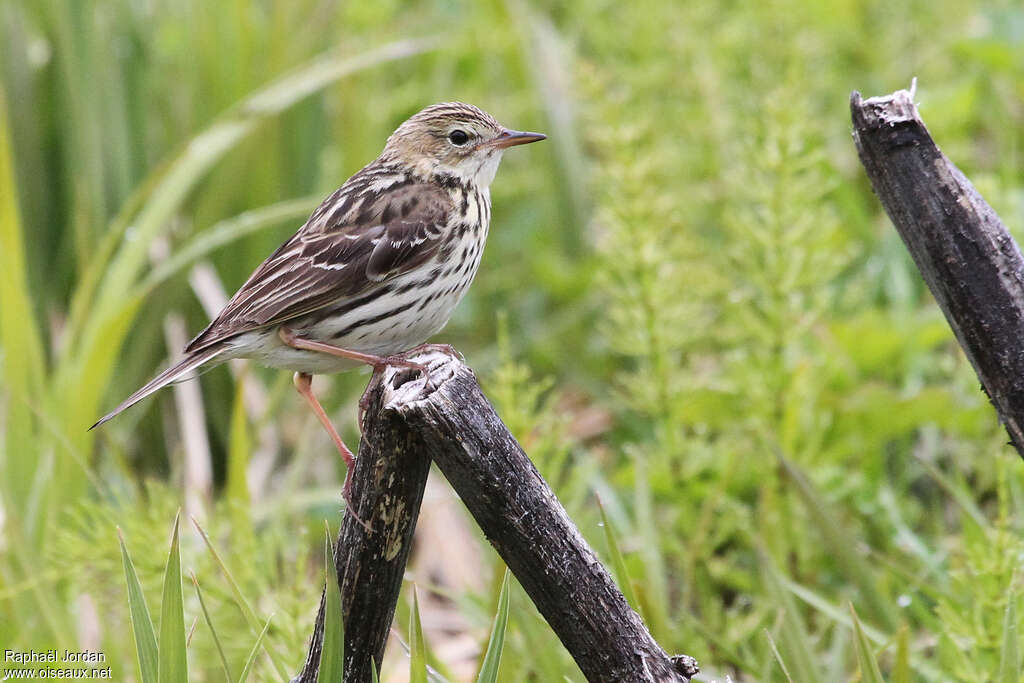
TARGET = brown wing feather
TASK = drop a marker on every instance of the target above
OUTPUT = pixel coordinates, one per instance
(379, 234)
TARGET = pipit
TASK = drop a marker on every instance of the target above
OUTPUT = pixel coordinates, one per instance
(376, 270)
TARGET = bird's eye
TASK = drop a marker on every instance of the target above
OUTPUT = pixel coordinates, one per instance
(458, 137)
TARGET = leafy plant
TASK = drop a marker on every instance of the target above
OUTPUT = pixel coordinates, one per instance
(492, 656)
(167, 660)
(332, 653)
(691, 305)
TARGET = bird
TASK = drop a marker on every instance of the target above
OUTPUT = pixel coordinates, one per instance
(376, 270)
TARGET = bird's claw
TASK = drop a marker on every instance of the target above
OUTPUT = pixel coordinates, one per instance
(402, 360)
(350, 508)
(446, 349)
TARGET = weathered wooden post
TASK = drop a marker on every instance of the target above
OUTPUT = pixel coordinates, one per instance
(971, 264)
(450, 421)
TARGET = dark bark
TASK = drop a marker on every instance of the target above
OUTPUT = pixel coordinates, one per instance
(449, 420)
(523, 520)
(967, 257)
(390, 474)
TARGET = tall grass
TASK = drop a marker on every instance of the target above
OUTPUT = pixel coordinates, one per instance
(691, 304)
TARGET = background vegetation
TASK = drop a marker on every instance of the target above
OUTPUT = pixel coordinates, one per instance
(691, 306)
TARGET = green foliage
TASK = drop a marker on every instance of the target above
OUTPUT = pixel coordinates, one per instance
(492, 656)
(901, 667)
(142, 624)
(617, 562)
(332, 654)
(869, 671)
(417, 645)
(172, 659)
(168, 661)
(691, 305)
(778, 657)
(240, 599)
(285, 587)
(794, 644)
(253, 654)
(19, 339)
(213, 632)
(1009, 657)
(979, 609)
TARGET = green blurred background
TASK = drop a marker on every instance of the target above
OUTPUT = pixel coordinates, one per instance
(691, 306)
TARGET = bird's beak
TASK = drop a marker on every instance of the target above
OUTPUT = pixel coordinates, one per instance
(511, 138)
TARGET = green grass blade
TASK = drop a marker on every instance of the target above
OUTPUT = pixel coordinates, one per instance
(869, 671)
(417, 645)
(316, 75)
(496, 643)
(251, 660)
(1009, 657)
(794, 640)
(778, 656)
(24, 566)
(332, 654)
(957, 492)
(837, 540)
(549, 57)
(213, 631)
(618, 563)
(654, 584)
(224, 233)
(901, 668)
(922, 664)
(236, 591)
(832, 611)
(92, 275)
(243, 604)
(22, 358)
(374, 677)
(142, 624)
(173, 660)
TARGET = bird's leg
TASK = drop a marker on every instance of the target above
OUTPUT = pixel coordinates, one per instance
(304, 384)
(441, 348)
(379, 363)
(400, 359)
(364, 400)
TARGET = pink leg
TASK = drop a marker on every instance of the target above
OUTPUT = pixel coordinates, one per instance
(377, 362)
(400, 359)
(304, 384)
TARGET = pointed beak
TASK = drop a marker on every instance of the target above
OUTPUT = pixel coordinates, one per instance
(511, 138)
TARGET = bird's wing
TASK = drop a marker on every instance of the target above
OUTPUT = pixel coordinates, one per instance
(377, 236)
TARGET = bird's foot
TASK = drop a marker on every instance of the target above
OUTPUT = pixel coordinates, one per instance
(378, 377)
(398, 360)
(350, 508)
(401, 360)
(364, 400)
(446, 349)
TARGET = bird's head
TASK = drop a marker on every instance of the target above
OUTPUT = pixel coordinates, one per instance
(454, 139)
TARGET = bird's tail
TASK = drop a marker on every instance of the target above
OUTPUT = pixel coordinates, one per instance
(190, 362)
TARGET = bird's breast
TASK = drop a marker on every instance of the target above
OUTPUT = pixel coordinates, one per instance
(471, 209)
(408, 309)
